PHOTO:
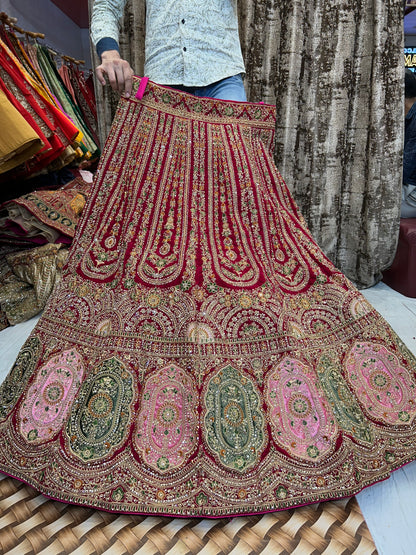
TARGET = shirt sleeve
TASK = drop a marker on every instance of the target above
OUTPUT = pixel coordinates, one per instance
(107, 43)
(105, 18)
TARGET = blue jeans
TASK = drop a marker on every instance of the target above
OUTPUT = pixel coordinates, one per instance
(408, 207)
(230, 88)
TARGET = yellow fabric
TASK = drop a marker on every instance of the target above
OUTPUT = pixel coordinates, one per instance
(18, 140)
(43, 90)
(38, 82)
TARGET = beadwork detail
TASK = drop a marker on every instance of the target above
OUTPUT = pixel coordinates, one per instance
(302, 422)
(233, 423)
(50, 396)
(386, 390)
(100, 418)
(15, 382)
(201, 356)
(345, 406)
(166, 429)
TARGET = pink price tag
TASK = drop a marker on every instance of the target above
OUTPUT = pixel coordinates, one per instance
(142, 88)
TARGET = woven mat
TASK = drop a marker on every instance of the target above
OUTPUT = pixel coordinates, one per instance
(32, 524)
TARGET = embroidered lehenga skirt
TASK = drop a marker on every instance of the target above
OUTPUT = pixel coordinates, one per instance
(201, 356)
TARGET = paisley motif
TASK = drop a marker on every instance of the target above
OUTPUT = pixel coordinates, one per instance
(301, 419)
(15, 382)
(167, 233)
(385, 388)
(166, 427)
(234, 258)
(233, 422)
(50, 396)
(100, 417)
(345, 406)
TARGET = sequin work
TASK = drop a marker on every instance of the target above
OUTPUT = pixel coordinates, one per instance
(209, 360)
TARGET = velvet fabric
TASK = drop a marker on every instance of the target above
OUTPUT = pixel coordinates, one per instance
(335, 71)
(201, 356)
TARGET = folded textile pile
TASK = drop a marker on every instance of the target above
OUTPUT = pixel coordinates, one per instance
(36, 230)
(27, 279)
(44, 216)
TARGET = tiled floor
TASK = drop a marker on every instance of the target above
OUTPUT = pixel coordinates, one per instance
(389, 507)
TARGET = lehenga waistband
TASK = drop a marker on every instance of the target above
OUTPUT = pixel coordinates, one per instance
(185, 105)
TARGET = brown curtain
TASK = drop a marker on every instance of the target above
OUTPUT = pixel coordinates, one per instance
(335, 70)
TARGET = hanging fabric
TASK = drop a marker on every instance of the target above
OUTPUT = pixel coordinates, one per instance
(18, 140)
(35, 89)
(44, 132)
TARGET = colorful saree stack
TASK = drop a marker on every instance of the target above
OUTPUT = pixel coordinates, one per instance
(201, 356)
(31, 85)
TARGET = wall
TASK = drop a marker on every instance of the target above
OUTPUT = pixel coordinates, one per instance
(409, 40)
(61, 33)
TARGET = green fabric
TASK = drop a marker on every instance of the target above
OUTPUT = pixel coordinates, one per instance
(59, 89)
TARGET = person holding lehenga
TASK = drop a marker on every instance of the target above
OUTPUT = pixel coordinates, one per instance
(191, 45)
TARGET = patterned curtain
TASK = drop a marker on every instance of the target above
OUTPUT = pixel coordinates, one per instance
(335, 70)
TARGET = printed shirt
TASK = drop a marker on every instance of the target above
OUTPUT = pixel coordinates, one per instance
(188, 42)
(409, 152)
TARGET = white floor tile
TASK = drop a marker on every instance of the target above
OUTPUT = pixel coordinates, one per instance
(11, 341)
(390, 511)
(390, 507)
(398, 310)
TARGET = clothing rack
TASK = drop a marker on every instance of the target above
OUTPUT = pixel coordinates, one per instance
(54, 90)
(11, 22)
(73, 60)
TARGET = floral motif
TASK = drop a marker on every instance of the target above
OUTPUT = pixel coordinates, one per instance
(166, 426)
(118, 494)
(301, 419)
(49, 397)
(201, 499)
(281, 492)
(234, 425)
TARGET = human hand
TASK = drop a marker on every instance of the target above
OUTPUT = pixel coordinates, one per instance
(118, 71)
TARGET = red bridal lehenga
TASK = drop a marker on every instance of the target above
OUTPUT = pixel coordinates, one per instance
(201, 356)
